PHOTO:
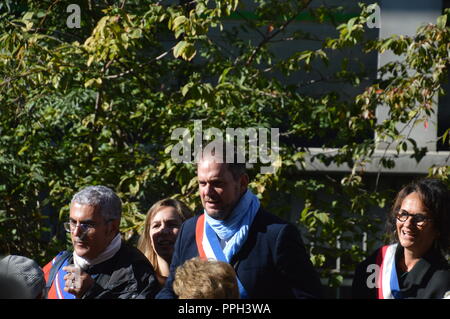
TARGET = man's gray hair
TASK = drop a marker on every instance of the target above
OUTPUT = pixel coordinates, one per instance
(103, 198)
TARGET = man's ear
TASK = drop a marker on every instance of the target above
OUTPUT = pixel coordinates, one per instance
(244, 180)
(115, 225)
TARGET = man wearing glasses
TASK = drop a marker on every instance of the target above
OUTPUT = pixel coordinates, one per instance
(100, 265)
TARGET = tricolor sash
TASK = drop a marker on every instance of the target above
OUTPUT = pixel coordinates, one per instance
(209, 247)
(387, 282)
(56, 290)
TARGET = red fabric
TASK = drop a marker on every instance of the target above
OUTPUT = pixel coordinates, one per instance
(379, 261)
(52, 291)
(199, 236)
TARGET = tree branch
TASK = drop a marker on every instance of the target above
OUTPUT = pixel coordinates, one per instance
(47, 13)
(248, 21)
(269, 37)
(389, 145)
(159, 57)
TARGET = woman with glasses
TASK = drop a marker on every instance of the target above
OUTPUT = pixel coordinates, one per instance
(414, 265)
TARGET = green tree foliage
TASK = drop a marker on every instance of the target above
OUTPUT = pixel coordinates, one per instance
(98, 104)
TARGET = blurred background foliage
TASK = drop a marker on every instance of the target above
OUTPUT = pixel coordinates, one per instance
(97, 105)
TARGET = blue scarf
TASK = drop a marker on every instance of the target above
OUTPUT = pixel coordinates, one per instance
(235, 228)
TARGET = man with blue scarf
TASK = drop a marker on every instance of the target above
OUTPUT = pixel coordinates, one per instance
(267, 253)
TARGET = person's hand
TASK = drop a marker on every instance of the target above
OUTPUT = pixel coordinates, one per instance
(77, 281)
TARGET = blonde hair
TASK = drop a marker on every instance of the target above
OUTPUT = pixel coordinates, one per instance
(205, 279)
(145, 241)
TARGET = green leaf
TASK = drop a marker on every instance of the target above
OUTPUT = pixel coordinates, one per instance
(124, 37)
(189, 52)
(28, 15)
(93, 82)
(442, 21)
(186, 88)
(41, 14)
(351, 23)
(178, 21)
(134, 188)
(445, 135)
(136, 34)
(90, 60)
(23, 150)
(224, 74)
(179, 48)
(323, 217)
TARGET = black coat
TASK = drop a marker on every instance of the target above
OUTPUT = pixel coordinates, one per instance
(128, 274)
(428, 279)
(272, 263)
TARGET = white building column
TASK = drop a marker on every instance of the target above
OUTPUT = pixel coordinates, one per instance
(403, 17)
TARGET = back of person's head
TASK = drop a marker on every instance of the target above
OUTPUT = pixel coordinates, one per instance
(205, 279)
(103, 198)
(21, 277)
(11, 288)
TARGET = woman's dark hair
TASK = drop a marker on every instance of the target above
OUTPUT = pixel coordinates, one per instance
(435, 196)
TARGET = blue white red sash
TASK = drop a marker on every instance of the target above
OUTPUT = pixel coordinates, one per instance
(209, 247)
(387, 282)
(57, 289)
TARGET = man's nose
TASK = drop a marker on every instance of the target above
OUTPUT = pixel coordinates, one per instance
(77, 231)
(209, 190)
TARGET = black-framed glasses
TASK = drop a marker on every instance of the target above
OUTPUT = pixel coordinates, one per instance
(418, 219)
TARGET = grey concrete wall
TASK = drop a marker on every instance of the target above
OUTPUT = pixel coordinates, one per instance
(403, 17)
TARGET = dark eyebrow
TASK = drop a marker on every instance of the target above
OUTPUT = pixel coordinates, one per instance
(173, 221)
(216, 180)
(421, 213)
(211, 181)
(87, 221)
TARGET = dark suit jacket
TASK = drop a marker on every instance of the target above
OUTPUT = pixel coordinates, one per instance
(428, 279)
(272, 263)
